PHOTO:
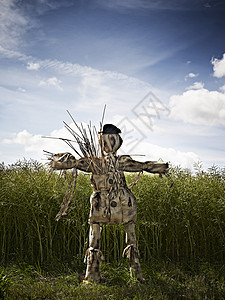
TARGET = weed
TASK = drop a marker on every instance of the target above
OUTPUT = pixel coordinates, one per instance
(4, 284)
(163, 281)
(181, 217)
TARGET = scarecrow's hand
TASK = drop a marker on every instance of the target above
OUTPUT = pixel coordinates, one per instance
(62, 161)
(127, 164)
(165, 170)
(158, 168)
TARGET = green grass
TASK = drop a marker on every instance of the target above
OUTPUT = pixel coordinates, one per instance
(180, 234)
(163, 281)
(180, 217)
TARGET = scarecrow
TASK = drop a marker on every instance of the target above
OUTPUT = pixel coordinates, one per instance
(112, 201)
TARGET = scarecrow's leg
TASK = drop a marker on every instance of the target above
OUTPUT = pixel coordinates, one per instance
(131, 251)
(93, 255)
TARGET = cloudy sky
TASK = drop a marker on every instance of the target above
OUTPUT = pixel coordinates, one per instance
(157, 65)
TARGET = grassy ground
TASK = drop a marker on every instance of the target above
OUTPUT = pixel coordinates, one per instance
(163, 281)
(181, 218)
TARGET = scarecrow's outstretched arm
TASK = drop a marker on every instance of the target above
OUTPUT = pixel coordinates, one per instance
(63, 161)
(127, 164)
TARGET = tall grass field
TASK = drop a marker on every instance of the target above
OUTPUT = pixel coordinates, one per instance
(181, 222)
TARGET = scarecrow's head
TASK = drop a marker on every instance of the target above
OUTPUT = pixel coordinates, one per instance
(111, 140)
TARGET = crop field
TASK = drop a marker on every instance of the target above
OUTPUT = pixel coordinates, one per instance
(180, 235)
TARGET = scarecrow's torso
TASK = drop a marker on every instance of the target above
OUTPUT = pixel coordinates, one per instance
(111, 202)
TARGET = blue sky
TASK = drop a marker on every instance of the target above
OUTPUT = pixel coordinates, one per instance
(159, 66)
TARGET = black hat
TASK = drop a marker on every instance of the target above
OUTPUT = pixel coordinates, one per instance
(110, 129)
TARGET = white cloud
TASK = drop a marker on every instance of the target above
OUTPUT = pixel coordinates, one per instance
(222, 88)
(196, 86)
(153, 152)
(191, 75)
(21, 90)
(71, 69)
(219, 66)
(52, 81)
(35, 144)
(136, 140)
(21, 138)
(87, 73)
(33, 66)
(201, 107)
(12, 53)
(13, 24)
(39, 7)
(144, 6)
(16, 20)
